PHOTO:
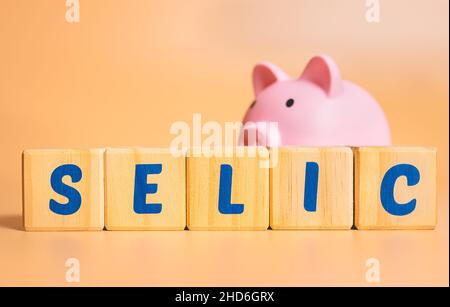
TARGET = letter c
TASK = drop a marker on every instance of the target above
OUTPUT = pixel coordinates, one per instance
(388, 201)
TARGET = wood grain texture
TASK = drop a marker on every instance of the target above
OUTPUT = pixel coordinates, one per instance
(38, 166)
(334, 208)
(120, 165)
(371, 164)
(250, 186)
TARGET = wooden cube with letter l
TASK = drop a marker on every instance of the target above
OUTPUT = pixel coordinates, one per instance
(311, 188)
(395, 188)
(145, 189)
(229, 190)
(63, 189)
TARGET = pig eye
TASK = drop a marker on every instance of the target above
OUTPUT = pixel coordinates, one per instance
(253, 104)
(290, 103)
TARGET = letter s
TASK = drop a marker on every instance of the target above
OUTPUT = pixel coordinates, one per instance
(74, 198)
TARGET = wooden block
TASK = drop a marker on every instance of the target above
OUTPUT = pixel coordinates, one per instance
(385, 198)
(245, 207)
(63, 189)
(311, 188)
(145, 190)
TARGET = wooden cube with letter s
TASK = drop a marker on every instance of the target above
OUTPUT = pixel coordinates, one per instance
(63, 189)
(395, 188)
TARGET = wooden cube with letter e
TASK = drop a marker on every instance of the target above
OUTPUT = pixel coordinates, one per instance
(145, 189)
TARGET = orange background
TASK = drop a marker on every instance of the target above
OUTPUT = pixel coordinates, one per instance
(130, 69)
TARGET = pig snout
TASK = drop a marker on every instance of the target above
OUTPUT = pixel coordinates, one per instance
(260, 134)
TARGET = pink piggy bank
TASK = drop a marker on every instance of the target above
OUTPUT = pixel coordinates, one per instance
(317, 109)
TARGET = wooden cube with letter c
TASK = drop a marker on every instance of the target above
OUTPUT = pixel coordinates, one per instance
(395, 188)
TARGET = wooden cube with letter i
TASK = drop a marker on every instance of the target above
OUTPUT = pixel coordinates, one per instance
(311, 188)
(228, 191)
(145, 189)
(395, 188)
(63, 189)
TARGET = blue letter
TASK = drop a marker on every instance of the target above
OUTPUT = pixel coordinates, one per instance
(311, 183)
(387, 189)
(225, 205)
(74, 198)
(142, 188)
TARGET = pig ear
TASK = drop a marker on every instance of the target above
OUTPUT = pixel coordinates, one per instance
(323, 71)
(265, 74)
